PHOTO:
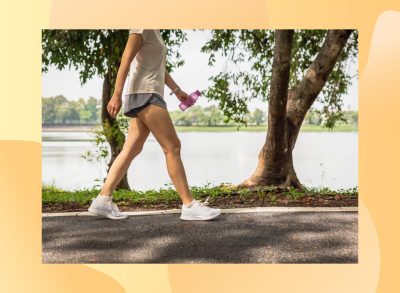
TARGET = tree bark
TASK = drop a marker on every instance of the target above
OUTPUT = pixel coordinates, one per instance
(287, 109)
(115, 137)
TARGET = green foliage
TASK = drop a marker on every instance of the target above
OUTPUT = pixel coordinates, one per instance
(54, 195)
(59, 110)
(258, 116)
(246, 74)
(236, 84)
(212, 116)
(173, 40)
(97, 52)
(55, 110)
(315, 117)
(232, 103)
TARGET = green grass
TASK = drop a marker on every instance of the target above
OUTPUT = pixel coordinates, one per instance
(223, 128)
(53, 195)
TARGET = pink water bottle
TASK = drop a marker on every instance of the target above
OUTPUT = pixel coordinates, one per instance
(190, 100)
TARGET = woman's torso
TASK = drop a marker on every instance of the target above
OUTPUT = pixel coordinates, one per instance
(147, 70)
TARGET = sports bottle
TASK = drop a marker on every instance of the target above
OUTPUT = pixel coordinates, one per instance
(190, 100)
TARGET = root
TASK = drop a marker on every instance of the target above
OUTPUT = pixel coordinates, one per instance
(248, 183)
(291, 181)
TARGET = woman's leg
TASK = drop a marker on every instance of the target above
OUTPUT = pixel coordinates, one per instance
(137, 135)
(159, 122)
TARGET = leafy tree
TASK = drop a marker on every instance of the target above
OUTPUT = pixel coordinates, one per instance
(48, 111)
(313, 118)
(196, 115)
(92, 106)
(258, 116)
(84, 116)
(61, 113)
(73, 110)
(289, 69)
(98, 53)
(213, 115)
(59, 109)
(60, 100)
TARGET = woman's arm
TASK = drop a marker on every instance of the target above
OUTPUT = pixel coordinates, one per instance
(169, 81)
(132, 46)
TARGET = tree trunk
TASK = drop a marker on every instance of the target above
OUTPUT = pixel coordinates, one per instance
(115, 137)
(287, 109)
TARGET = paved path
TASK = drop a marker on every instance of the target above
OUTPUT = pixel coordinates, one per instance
(264, 237)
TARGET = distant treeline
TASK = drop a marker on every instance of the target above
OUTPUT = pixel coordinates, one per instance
(60, 111)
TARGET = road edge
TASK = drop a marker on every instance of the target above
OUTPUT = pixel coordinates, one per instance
(224, 211)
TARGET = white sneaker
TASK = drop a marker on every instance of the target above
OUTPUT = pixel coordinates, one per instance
(198, 211)
(107, 209)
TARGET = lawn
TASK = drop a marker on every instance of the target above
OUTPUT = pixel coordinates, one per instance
(224, 196)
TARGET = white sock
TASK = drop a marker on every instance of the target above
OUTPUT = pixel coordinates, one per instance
(104, 198)
(189, 204)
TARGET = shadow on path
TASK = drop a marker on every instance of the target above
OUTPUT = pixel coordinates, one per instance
(296, 237)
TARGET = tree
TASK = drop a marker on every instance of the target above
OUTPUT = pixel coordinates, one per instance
(99, 52)
(258, 116)
(291, 91)
(61, 113)
(73, 110)
(91, 106)
(196, 115)
(213, 115)
(48, 111)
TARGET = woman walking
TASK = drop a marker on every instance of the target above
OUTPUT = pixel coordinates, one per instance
(146, 106)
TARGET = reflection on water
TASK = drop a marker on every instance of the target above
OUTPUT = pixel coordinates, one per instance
(328, 159)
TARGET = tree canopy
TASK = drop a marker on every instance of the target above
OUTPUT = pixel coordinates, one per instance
(98, 52)
(247, 74)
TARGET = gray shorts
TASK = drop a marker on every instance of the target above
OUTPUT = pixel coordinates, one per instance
(134, 103)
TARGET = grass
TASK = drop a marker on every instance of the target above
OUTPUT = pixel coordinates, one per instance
(52, 195)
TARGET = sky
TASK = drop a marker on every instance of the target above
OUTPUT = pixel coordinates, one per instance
(192, 75)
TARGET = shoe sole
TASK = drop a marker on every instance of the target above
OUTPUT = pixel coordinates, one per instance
(200, 218)
(101, 213)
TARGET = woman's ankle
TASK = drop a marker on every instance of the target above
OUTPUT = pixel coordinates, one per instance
(188, 203)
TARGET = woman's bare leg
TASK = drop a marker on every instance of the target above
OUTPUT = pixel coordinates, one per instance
(137, 135)
(159, 122)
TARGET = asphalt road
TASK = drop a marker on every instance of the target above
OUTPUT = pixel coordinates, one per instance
(268, 237)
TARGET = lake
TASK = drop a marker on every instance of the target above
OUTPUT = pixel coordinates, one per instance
(321, 159)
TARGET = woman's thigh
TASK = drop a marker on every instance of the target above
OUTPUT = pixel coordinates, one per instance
(158, 120)
(137, 135)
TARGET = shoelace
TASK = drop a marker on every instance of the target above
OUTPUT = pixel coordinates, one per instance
(204, 203)
(114, 208)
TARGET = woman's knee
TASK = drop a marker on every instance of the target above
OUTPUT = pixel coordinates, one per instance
(174, 147)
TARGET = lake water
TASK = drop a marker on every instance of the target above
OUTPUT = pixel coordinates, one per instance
(322, 159)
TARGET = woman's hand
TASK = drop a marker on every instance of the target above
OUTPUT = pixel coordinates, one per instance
(181, 95)
(114, 105)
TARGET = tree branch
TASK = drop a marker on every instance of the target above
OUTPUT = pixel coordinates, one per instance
(303, 95)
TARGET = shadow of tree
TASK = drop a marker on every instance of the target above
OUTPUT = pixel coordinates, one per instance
(300, 237)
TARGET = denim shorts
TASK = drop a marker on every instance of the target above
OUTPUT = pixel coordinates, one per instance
(134, 103)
